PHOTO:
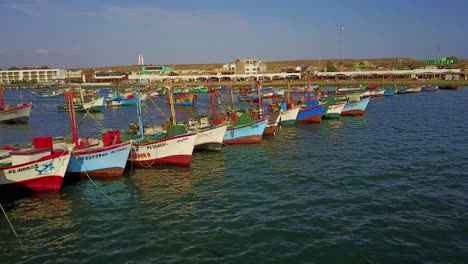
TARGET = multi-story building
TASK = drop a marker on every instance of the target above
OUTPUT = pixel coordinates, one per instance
(248, 66)
(38, 75)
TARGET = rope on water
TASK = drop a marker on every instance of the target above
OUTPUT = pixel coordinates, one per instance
(12, 228)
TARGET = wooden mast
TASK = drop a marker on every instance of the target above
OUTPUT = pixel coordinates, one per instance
(171, 101)
(71, 114)
(2, 102)
(289, 92)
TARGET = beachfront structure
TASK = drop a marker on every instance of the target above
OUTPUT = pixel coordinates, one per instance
(214, 77)
(427, 73)
(29, 75)
(248, 66)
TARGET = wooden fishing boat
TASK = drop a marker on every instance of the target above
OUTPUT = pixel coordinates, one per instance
(355, 107)
(183, 99)
(413, 89)
(40, 168)
(288, 113)
(273, 122)
(448, 87)
(432, 88)
(93, 106)
(209, 137)
(48, 94)
(244, 126)
(14, 114)
(312, 110)
(390, 91)
(94, 157)
(333, 108)
(172, 147)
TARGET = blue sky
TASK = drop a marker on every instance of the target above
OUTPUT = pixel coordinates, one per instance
(87, 33)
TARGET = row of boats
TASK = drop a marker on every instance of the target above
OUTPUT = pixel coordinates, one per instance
(43, 164)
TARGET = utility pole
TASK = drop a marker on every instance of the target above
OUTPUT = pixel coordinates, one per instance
(341, 31)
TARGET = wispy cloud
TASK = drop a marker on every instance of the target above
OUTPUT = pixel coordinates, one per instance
(53, 52)
(174, 18)
(41, 51)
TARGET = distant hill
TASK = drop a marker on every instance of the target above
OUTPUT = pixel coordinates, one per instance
(277, 65)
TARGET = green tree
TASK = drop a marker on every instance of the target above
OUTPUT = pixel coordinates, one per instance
(454, 59)
(45, 67)
(331, 67)
(14, 68)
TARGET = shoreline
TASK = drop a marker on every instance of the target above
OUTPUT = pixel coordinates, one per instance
(279, 83)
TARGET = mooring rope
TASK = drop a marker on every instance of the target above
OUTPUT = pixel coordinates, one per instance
(12, 228)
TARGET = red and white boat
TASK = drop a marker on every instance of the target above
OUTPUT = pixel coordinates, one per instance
(13, 114)
(173, 147)
(38, 169)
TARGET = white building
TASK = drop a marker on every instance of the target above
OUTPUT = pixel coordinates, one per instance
(39, 75)
(248, 66)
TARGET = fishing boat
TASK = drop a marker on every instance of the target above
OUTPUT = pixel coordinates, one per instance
(355, 106)
(247, 130)
(432, 88)
(390, 91)
(183, 99)
(200, 89)
(333, 108)
(288, 113)
(40, 168)
(448, 87)
(209, 136)
(401, 90)
(312, 110)
(93, 157)
(413, 89)
(13, 114)
(158, 92)
(175, 146)
(244, 127)
(93, 106)
(120, 100)
(48, 94)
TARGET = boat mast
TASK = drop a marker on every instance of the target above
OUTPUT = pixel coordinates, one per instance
(2, 102)
(71, 114)
(213, 105)
(289, 93)
(308, 88)
(171, 101)
(260, 103)
(139, 115)
(232, 97)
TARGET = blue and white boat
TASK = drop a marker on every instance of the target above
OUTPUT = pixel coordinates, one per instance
(246, 132)
(355, 107)
(93, 157)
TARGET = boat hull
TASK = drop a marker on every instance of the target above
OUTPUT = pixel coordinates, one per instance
(94, 106)
(16, 115)
(44, 174)
(248, 134)
(175, 150)
(289, 116)
(211, 138)
(311, 114)
(355, 108)
(104, 162)
(334, 111)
